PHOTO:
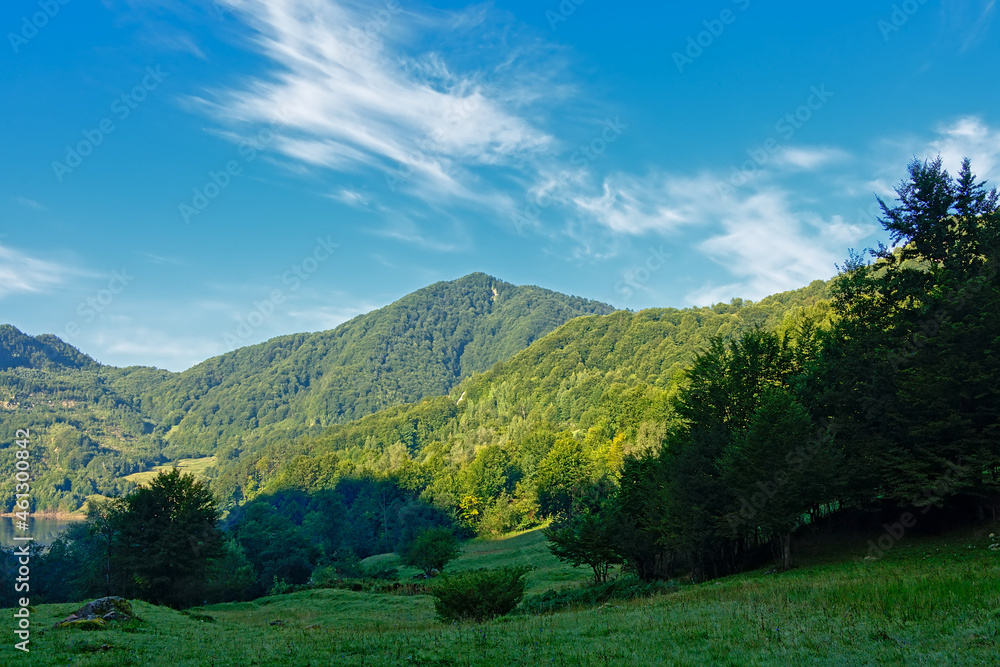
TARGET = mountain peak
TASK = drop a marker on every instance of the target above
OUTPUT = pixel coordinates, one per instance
(43, 352)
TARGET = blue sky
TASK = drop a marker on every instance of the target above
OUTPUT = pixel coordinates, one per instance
(179, 178)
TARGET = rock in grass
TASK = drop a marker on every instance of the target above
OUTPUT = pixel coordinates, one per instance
(98, 613)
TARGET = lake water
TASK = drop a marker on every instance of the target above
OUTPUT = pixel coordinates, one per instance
(44, 530)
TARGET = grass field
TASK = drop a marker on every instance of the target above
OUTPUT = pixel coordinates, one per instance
(929, 601)
(196, 467)
(527, 548)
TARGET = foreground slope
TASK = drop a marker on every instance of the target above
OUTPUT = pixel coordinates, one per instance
(930, 601)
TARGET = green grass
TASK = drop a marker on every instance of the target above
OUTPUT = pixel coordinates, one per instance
(196, 467)
(523, 548)
(928, 602)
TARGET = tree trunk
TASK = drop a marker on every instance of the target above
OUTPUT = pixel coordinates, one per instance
(786, 551)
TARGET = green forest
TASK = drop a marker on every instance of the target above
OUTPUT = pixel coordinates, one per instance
(97, 424)
(666, 443)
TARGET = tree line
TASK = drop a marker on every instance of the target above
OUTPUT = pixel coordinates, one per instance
(893, 402)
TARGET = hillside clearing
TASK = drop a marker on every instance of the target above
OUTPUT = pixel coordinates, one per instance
(196, 467)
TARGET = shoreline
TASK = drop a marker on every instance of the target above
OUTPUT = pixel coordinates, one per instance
(62, 516)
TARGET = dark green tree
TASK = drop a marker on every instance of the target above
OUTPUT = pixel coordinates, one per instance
(905, 372)
(639, 510)
(587, 539)
(167, 537)
(432, 550)
(276, 548)
(727, 446)
(777, 468)
(923, 215)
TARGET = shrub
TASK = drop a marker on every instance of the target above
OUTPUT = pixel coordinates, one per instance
(324, 577)
(346, 564)
(479, 595)
(432, 550)
(500, 517)
(280, 587)
(382, 571)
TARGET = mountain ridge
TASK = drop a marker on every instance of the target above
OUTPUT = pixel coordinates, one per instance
(132, 418)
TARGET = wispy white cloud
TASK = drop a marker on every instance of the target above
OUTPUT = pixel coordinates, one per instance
(953, 140)
(969, 137)
(345, 93)
(349, 197)
(164, 37)
(158, 259)
(982, 25)
(404, 230)
(30, 203)
(146, 346)
(21, 273)
(809, 158)
(763, 240)
(966, 22)
(771, 246)
(655, 203)
(323, 318)
(771, 243)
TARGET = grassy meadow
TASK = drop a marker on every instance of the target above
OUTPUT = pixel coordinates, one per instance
(928, 601)
(196, 467)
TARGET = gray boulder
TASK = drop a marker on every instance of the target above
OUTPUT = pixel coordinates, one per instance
(98, 613)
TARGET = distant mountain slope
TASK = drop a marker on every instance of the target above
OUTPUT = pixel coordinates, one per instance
(97, 423)
(45, 352)
(606, 376)
(648, 347)
(421, 345)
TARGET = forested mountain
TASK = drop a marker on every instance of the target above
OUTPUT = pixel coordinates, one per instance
(503, 450)
(601, 379)
(421, 345)
(94, 424)
(45, 352)
(89, 425)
